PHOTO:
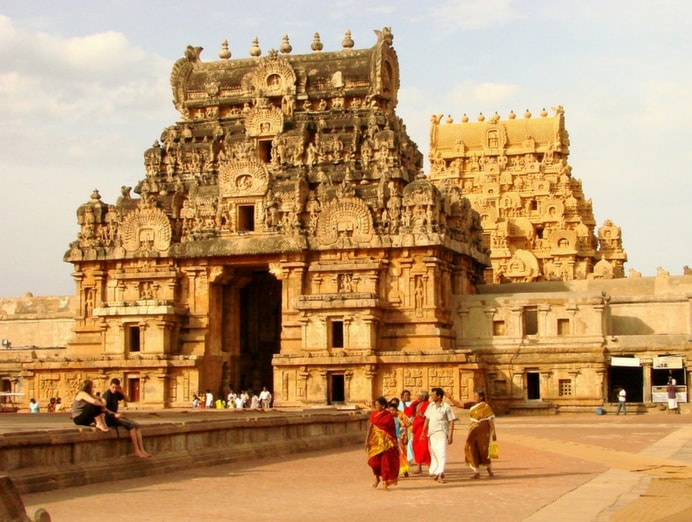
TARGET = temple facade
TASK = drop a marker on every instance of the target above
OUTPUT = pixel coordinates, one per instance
(283, 235)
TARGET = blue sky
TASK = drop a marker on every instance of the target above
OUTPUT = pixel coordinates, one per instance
(85, 90)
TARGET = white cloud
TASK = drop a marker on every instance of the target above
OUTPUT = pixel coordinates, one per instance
(470, 14)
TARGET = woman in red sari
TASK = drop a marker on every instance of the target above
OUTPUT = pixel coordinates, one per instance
(382, 446)
(416, 411)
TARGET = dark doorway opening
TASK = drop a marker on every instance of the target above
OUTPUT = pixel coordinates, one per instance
(533, 386)
(631, 378)
(258, 306)
(337, 390)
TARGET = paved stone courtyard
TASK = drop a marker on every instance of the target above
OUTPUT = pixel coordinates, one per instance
(565, 467)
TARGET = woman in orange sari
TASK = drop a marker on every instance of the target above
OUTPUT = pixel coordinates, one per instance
(382, 446)
(416, 411)
(481, 431)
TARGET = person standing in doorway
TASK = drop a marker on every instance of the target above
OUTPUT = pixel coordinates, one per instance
(622, 402)
(265, 398)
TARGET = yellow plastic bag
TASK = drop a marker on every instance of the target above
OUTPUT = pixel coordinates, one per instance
(494, 450)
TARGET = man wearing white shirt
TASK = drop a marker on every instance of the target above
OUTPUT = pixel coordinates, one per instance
(439, 426)
(265, 398)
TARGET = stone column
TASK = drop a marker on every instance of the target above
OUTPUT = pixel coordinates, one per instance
(348, 375)
(543, 320)
(600, 378)
(347, 337)
(370, 374)
(324, 374)
(545, 377)
(571, 310)
(490, 312)
(646, 373)
(516, 329)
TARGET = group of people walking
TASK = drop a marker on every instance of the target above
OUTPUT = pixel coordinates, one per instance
(402, 432)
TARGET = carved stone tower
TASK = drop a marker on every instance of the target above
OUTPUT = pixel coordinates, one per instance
(283, 236)
(536, 221)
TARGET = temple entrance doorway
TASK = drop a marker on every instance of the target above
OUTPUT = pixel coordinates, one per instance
(251, 325)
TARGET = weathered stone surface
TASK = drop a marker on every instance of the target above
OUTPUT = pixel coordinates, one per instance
(70, 456)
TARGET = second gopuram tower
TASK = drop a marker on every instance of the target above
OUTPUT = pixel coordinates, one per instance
(537, 223)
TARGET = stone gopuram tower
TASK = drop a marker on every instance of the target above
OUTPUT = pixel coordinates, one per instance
(536, 221)
(283, 236)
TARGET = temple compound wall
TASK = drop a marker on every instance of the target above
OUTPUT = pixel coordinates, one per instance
(284, 235)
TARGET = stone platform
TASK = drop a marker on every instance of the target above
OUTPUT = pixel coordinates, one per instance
(47, 451)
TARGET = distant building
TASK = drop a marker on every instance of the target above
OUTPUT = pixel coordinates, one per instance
(285, 236)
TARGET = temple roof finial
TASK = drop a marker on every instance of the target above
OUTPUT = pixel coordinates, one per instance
(255, 50)
(224, 53)
(285, 46)
(347, 42)
(316, 45)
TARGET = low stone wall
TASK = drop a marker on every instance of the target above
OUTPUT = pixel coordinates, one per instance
(64, 457)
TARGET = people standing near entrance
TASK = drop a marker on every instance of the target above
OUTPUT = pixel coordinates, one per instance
(112, 396)
(265, 398)
(481, 432)
(87, 409)
(208, 399)
(672, 391)
(382, 446)
(439, 425)
(33, 406)
(622, 401)
(421, 453)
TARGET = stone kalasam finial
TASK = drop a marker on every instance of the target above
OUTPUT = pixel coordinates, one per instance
(347, 42)
(285, 46)
(255, 50)
(481, 117)
(512, 115)
(224, 53)
(316, 45)
(544, 113)
(95, 196)
(465, 118)
(527, 114)
(495, 118)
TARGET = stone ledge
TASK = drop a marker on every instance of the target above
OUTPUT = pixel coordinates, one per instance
(67, 457)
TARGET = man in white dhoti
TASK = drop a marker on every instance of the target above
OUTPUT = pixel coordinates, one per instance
(439, 426)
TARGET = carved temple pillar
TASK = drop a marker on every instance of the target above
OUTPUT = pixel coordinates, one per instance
(646, 374)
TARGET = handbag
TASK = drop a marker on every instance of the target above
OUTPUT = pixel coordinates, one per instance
(494, 450)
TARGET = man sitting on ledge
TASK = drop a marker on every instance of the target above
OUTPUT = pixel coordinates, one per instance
(112, 396)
